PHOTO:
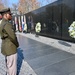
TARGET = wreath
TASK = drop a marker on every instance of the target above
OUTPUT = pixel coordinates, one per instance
(72, 30)
(38, 27)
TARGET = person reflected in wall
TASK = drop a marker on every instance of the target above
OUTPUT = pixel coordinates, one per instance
(14, 26)
(29, 24)
(0, 18)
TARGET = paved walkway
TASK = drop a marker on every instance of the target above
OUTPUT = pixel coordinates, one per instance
(27, 60)
(60, 44)
(23, 66)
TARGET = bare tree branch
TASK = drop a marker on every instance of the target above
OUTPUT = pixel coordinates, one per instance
(28, 5)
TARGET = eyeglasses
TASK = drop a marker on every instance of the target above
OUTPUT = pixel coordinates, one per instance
(10, 14)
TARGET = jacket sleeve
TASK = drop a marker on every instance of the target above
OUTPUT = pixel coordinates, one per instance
(11, 34)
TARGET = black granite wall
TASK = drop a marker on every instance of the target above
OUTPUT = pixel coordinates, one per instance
(55, 18)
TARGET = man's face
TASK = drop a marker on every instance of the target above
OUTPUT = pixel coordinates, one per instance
(9, 15)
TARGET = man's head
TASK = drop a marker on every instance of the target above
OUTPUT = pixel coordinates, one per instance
(6, 13)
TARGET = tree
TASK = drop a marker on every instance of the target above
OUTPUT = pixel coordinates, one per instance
(1, 4)
(27, 5)
(14, 8)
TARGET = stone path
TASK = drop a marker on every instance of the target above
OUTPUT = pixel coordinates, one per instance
(23, 66)
(28, 67)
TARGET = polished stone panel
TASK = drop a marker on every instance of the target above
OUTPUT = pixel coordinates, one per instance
(49, 59)
(45, 59)
(55, 18)
(65, 67)
(38, 53)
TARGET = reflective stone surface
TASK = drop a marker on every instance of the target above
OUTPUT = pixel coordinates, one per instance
(45, 59)
(55, 18)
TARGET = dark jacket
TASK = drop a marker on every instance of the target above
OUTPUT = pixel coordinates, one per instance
(9, 39)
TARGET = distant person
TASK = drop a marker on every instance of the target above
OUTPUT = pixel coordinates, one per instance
(9, 42)
(0, 18)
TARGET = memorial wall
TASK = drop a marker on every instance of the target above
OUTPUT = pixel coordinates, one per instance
(52, 20)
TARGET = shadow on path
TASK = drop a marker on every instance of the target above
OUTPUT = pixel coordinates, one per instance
(64, 43)
(20, 60)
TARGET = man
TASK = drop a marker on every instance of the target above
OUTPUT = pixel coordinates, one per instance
(9, 42)
(0, 18)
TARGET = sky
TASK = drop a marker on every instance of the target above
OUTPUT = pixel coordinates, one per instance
(44, 2)
(11, 2)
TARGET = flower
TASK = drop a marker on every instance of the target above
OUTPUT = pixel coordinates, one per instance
(38, 27)
(72, 30)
